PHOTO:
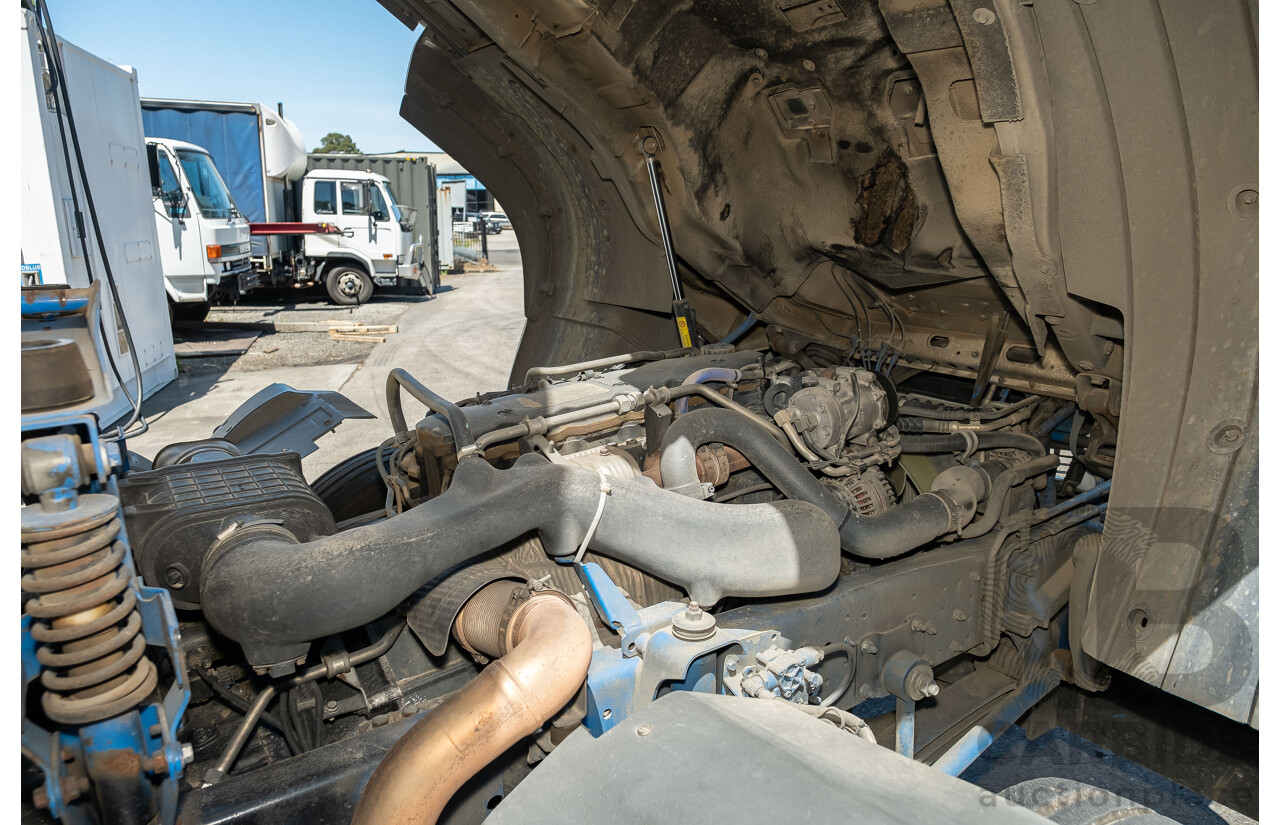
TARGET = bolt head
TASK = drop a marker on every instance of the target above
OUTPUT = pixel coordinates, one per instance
(644, 730)
(175, 577)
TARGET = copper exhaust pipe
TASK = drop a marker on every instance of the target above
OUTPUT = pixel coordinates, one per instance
(545, 648)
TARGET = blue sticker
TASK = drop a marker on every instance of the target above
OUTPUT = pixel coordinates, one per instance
(31, 275)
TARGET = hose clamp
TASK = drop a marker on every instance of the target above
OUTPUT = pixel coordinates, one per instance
(517, 609)
(955, 512)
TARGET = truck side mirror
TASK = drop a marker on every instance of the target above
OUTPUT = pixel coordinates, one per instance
(177, 201)
(153, 168)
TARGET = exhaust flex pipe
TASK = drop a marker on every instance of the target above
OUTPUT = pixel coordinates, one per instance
(545, 649)
(274, 595)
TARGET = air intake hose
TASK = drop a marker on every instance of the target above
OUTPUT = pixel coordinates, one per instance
(274, 596)
(886, 535)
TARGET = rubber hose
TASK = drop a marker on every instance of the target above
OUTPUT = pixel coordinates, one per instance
(963, 415)
(851, 665)
(888, 534)
(957, 443)
(1000, 490)
(704, 376)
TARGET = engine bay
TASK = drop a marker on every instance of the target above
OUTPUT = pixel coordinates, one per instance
(732, 522)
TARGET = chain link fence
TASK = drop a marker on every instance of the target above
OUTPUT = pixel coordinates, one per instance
(470, 239)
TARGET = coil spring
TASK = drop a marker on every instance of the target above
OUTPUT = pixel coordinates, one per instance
(92, 647)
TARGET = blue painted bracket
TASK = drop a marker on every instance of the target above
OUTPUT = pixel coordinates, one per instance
(610, 602)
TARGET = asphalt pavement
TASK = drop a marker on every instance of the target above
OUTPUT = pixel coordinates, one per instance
(459, 342)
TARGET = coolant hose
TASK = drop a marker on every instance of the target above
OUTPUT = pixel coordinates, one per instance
(545, 653)
(891, 533)
(1000, 490)
(958, 442)
(680, 445)
(274, 596)
(702, 377)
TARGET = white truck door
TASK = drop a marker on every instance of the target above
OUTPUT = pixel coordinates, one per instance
(356, 219)
(177, 230)
(390, 241)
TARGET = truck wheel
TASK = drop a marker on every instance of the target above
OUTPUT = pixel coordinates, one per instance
(188, 311)
(348, 286)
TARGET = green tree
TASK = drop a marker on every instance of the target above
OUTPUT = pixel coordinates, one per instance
(336, 143)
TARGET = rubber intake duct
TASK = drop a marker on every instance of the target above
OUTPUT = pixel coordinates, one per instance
(274, 595)
(947, 508)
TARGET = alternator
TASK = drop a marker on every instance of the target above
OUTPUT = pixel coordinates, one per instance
(868, 494)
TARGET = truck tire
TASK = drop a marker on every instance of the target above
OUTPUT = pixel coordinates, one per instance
(188, 311)
(348, 285)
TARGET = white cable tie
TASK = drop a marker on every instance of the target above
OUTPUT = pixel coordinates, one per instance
(605, 489)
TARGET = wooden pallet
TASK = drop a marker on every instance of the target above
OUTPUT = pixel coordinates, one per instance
(361, 333)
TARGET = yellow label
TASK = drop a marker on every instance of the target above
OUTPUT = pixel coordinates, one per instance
(685, 340)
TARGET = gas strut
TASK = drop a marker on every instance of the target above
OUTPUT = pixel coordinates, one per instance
(681, 312)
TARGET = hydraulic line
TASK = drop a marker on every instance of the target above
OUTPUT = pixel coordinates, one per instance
(333, 664)
(851, 664)
(957, 443)
(919, 411)
(619, 405)
(457, 419)
(536, 373)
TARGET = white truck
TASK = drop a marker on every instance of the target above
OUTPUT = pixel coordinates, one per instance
(343, 229)
(375, 246)
(86, 210)
(204, 240)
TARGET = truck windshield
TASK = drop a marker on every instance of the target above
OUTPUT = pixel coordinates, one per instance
(206, 184)
(377, 201)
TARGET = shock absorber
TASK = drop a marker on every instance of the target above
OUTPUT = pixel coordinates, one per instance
(84, 612)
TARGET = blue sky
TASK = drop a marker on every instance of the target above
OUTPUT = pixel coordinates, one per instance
(336, 66)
